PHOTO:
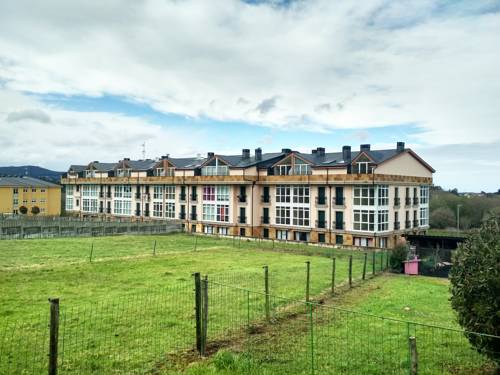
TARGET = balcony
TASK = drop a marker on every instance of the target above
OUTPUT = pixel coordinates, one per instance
(397, 202)
(242, 219)
(396, 225)
(408, 224)
(101, 194)
(137, 195)
(321, 201)
(182, 196)
(108, 210)
(242, 198)
(408, 201)
(415, 223)
(194, 197)
(146, 213)
(321, 224)
(182, 216)
(265, 220)
(137, 212)
(339, 201)
(265, 198)
(193, 216)
(101, 210)
(415, 201)
(108, 194)
(339, 225)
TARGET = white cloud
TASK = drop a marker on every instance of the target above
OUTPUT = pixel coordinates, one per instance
(319, 64)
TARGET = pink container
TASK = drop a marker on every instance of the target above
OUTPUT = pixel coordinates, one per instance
(411, 266)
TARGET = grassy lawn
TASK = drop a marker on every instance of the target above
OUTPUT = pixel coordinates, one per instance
(349, 337)
(124, 310)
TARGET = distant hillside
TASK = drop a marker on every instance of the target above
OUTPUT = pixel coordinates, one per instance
(32, 171)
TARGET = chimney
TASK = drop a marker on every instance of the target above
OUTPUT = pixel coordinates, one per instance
(210, 155)
(314, 151)
(165, 156)
(400, 146)
(286, 150)
(245, 153)
(365, 147)
(346, 154)
(321, 151)
(126, 159)
(258, 154)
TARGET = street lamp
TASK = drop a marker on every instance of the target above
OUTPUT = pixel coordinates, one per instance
(458, 217)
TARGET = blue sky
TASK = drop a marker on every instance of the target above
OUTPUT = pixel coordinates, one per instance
(90, 81)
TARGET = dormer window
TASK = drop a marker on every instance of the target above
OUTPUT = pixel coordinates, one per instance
(292, 166)
(283, 170)
(159, 172)
(362, 166)
(301, 168)
(89, 173)
(215, 168)
(123, 172)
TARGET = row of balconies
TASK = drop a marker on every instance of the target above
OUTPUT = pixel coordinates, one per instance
(408, 224)
(408, 201)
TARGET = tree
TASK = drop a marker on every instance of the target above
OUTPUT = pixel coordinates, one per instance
(398, 255)
(442, 218)
(35, 210)
(475, 287)
(23, 210)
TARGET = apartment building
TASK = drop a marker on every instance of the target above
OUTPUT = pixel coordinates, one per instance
(362, 198)
(29, 196)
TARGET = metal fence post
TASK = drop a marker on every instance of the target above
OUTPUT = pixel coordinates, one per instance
(266, 291)
(350, 271)
(373, 263)
(308, 279)
(54, 335)
(204, 316)
(198, 308)
(364, 266)
(412, 341)
(387, 260)
(333, 275)
(154, 248)
(91, 251)
(381, 261)
(195, 242)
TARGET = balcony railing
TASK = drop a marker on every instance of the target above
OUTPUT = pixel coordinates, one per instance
(182, 215)
(415, 201)
(108, 194)
(396, 225)
(242, 198)
(397, 201)
(101, 194)
(408, 201)
(321, 200)
(265, 220)
(137, 212)
(408, 224)
(340, 225)
(146, 213)
(339, 201)
(242, 219)
(182, 196)
(321, 224)
(193, 216)
(137, 195)
(108, 210)
(265, 198)
(101, 210)
(194, 197)
(415, 223)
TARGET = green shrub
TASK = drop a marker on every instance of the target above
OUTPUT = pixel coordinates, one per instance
(398, 255)
(35, 210)
(23, 210)
(475, 287)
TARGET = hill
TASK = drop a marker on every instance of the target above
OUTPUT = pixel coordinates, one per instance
(32, 171)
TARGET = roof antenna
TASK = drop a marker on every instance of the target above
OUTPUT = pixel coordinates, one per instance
(144, 151)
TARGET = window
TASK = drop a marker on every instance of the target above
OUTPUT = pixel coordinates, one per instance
(15, 191)
(321, 237)
(69, 203)
(223, 231)
(424, 216)
(243, 232)
(282, 194)
(209, 193)
(219, 212)
(15, 201)
(123, 172)
(42, 190)
(301, 216)
(301, 168)
(208, 229)
(364, 220)
(212, 211)
(25, 201)
(69, 189)
(43, 201)
(33, 190)
(158, 192)
(89, 205)
(362, 167)
(424, 194)
(170, 210)
(169, 192)
(265, 233)
(222, 193)
(90, 191)
(282, 235)
(89, 173)
(122, 207)
(25, 190)
(223, 212)
(159, 172)
(283, 170)
(382, 242)
(339, 239)
(383, 195)
(33, 200)
(300, 194)
(364, 196)
(383, 220)
(215, 168)
(123, 191)
(283, 215)
(157, 209)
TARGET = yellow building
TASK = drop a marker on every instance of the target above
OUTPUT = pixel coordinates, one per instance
(29, 195)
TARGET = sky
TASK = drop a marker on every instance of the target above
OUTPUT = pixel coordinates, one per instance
(87, 80)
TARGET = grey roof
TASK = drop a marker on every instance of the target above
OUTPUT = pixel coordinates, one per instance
(25, 182)
(77, 168)
(141, 165)
(187, 162)
(103, 167)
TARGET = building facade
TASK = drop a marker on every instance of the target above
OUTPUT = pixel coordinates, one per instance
(29, 196)
(362, 198)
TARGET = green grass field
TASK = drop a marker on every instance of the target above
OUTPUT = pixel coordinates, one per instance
(113, 306)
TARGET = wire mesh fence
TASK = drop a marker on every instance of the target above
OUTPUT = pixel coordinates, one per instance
(261, 317)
